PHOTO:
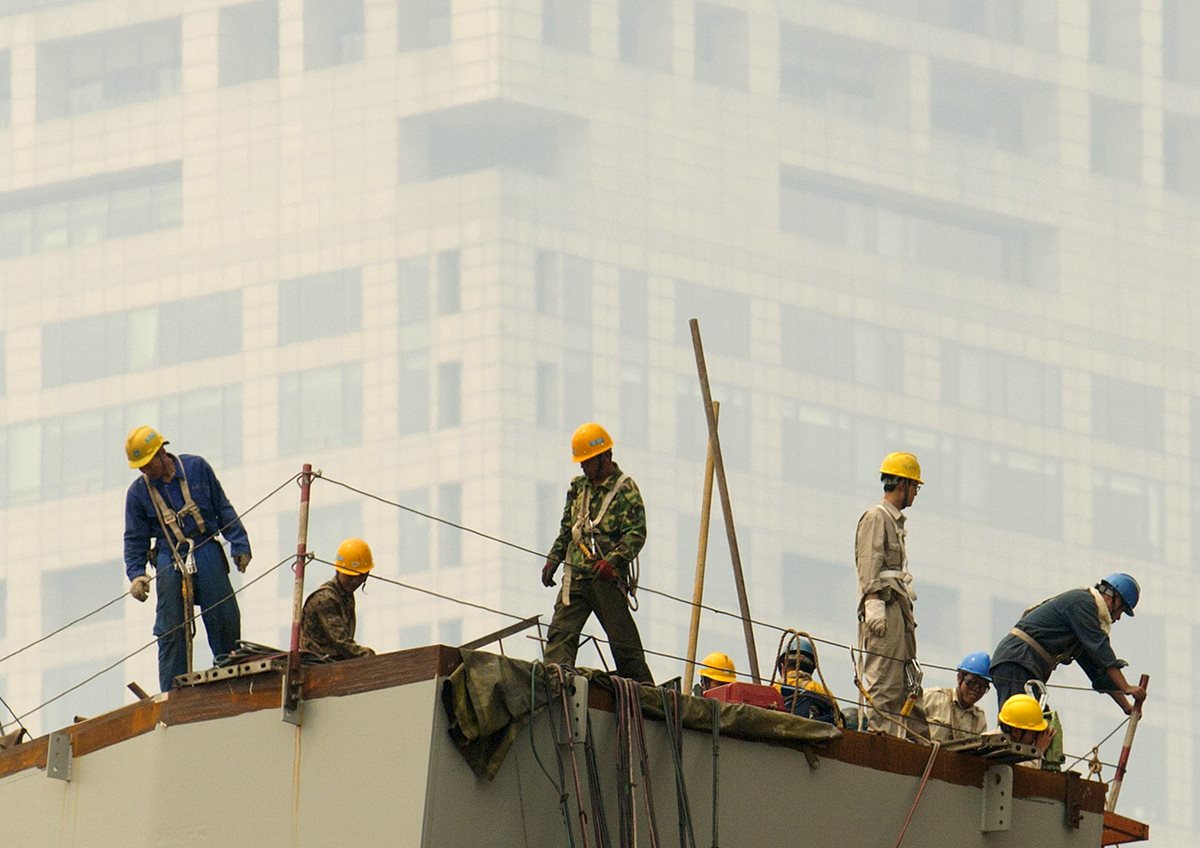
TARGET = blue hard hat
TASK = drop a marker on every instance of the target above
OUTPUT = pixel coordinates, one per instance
(1126, 587)
(978, 663)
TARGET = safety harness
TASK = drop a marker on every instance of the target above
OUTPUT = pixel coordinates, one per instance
(583, 534)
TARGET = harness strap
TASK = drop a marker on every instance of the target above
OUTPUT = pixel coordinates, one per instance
(172, 520)
(1050, 660)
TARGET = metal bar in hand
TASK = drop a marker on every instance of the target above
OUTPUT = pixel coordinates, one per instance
(1134, 716)
(701, 561)
(726, 507)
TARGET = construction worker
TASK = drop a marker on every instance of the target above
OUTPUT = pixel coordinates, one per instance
(603, 528)
(889, 675)
(1021, 719)
(801, 693)
(1072, 626)
(951, 713)
(178, 503)
(328, 622)
(716, 669)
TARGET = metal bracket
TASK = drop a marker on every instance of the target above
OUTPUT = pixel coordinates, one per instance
(58, 756)
(1072, 800)
(579, 708)
(997, 799)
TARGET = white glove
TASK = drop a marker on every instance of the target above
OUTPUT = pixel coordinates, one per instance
(242, 561)
(875, 616)
(140, 587)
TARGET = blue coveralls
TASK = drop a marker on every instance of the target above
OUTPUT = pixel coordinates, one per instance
(222, 623)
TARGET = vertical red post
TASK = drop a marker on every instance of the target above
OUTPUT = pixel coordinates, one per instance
(1114, 791)
(293, 678)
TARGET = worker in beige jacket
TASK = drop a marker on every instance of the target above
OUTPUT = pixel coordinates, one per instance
(951, 713)
(887, 636)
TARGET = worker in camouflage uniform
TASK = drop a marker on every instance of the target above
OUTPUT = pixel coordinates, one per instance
(603, 529)
(328, 622)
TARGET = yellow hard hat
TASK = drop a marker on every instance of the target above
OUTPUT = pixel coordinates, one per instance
(718, 666)
(353, 557)
(902, 465)
(589, 440)
(1024, 713)
(142, 444)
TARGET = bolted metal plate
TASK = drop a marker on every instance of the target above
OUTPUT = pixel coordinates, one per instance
(579, 706)
(997, 799)
(58, 756)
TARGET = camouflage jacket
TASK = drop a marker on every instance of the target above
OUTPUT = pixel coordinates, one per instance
(328, 622)
(617, 537)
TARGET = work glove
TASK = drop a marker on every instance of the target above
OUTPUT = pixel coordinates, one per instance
(242, 561)
(140, 587)
(875, 616)
(548, 572)
(604, 570)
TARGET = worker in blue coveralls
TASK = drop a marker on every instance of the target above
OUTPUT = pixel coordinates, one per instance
(178, 502)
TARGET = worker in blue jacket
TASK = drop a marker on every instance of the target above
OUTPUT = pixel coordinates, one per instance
(178, 502)
(1071, 627)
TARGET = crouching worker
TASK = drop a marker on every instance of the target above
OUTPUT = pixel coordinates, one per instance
(328, 622)
(1022, 721)
(954, 713)
(716, 669)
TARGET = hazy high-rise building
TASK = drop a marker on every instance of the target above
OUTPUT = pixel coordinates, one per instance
(417, 242)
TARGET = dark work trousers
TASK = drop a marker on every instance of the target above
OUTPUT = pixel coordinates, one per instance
(222, 621)
(607, 601)
(1009, 679)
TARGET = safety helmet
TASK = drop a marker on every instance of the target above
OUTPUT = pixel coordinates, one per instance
(977, 663)
(142, 444)
(718, 666)
(902, 465)
(1024, 713)
(1126, 587)
(353, 557)
(589, 440)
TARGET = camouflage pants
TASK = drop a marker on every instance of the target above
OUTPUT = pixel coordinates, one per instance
(608, 603)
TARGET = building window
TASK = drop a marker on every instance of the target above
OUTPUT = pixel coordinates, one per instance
(724, 318)
(1181, 31)
(635, 405)
(818, 594)
(843, 75)
(449, 394)
(1000, 384)
(320, 305)
(111, 68)
(1127, 413)
(984, 107)
(567, 25)
(63, 589)
(645, 34)
(1116, 138)
(1127, 515)
(105, 345)
(102, 693)
(248, 36)
(3, 367)
(423, 23)
(956, 239)
(449, 538)
(548, 520)
(414, 411)
(486, 135)
(5, 89)
(940, 624)
(546, 397)
(634, 306)
(1023, 490)
(449, 280)
(829, 456)
(733, 425)
(320, 409)
(87, 211)
(328, 525)
(842, 348)
(1181, 153)
(415, 532)
(207, 422)
(17, 7)
(999, 19)
(722, 45)
(333, 32)
(577, 387)
(413, 277)
(3, 609)
(1114, 34)
(547, 284)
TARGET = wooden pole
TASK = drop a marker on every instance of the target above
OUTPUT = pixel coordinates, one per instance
(292, 679)
(701, 560)
(726, 508)
(1115, 790)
